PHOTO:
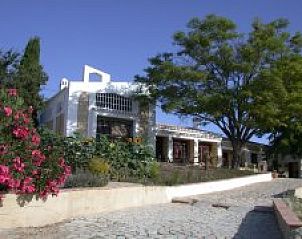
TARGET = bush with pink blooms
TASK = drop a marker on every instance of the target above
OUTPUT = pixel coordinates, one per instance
(25, 166)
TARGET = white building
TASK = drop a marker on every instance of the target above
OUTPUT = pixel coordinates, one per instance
(106, 107)
(99, 107)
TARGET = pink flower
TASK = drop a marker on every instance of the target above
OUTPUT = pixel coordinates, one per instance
(8, 111)
(26, 120)
(17, 115)
(14, 183)
(3, 178)
(67, 170)
(34, 172)
(4, 174)
(38, 157)
(12, 92)
(21, 132)
(18, 165)
(4, 170)
(27, 186)
(35, 139)
(61, 162)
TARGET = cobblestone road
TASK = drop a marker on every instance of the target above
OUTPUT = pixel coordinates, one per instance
(200, 220)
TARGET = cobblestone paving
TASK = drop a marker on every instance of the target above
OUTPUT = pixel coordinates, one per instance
(200, 220)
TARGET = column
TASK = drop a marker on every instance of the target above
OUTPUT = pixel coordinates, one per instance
(195, 150)
(219, 154)
(170, 149)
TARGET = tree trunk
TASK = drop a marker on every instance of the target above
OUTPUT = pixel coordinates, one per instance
(236, 154)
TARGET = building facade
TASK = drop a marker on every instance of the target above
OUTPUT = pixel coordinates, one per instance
(188, 145)
(252, 155)
(96, 106)
(93, 108)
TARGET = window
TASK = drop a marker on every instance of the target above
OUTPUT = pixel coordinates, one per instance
(180, 151)
(115, 128)
(112, 101)
(254, 158)
(203, 153)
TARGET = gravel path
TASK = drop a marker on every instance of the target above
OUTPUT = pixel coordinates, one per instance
(200, 220)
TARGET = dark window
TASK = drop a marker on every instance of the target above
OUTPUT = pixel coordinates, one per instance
(180, 151)
(113, 127)
(254, 158)
(203, 153)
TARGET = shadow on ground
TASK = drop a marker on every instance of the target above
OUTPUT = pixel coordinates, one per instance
(259, 225)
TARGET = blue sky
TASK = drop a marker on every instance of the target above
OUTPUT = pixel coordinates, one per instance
(118, 36)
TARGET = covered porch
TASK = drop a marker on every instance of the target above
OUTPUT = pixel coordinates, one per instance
(182, 145)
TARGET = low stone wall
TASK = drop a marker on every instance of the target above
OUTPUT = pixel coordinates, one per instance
(81, 202)
(289, 223)
(216, 186)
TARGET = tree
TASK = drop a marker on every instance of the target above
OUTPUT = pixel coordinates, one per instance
(287, 133)
(8, 62)
(217, 75)
(30, 76)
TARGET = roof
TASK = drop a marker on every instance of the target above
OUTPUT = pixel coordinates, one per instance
(55, 95)
(254, 146)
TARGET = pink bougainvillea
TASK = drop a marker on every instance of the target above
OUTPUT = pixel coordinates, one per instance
(25, 166)
(7, 111)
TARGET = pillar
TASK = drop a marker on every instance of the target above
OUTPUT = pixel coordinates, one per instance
(170, 149)
(195, 150)
(219, 154)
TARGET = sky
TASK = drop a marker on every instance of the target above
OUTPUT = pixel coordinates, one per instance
(118, 36)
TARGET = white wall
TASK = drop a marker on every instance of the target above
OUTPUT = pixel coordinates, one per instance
(56, 105)
(75, 203)
(70, 99)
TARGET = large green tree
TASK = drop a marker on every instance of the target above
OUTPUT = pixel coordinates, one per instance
(30, 76)
(286, 136)
(218, 75)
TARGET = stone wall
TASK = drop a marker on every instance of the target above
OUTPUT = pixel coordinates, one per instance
(289, 223)
(82, 113)
(146, 122)
(76, 203)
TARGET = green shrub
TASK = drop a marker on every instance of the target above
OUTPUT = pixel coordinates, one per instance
(154, 170)
(173, 179)
(98, 166)
(126, 159)
(77, 150)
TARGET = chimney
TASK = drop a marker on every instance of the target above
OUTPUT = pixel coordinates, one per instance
(63, 84)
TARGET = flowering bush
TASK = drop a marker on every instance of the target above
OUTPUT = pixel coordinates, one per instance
(26, 167)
